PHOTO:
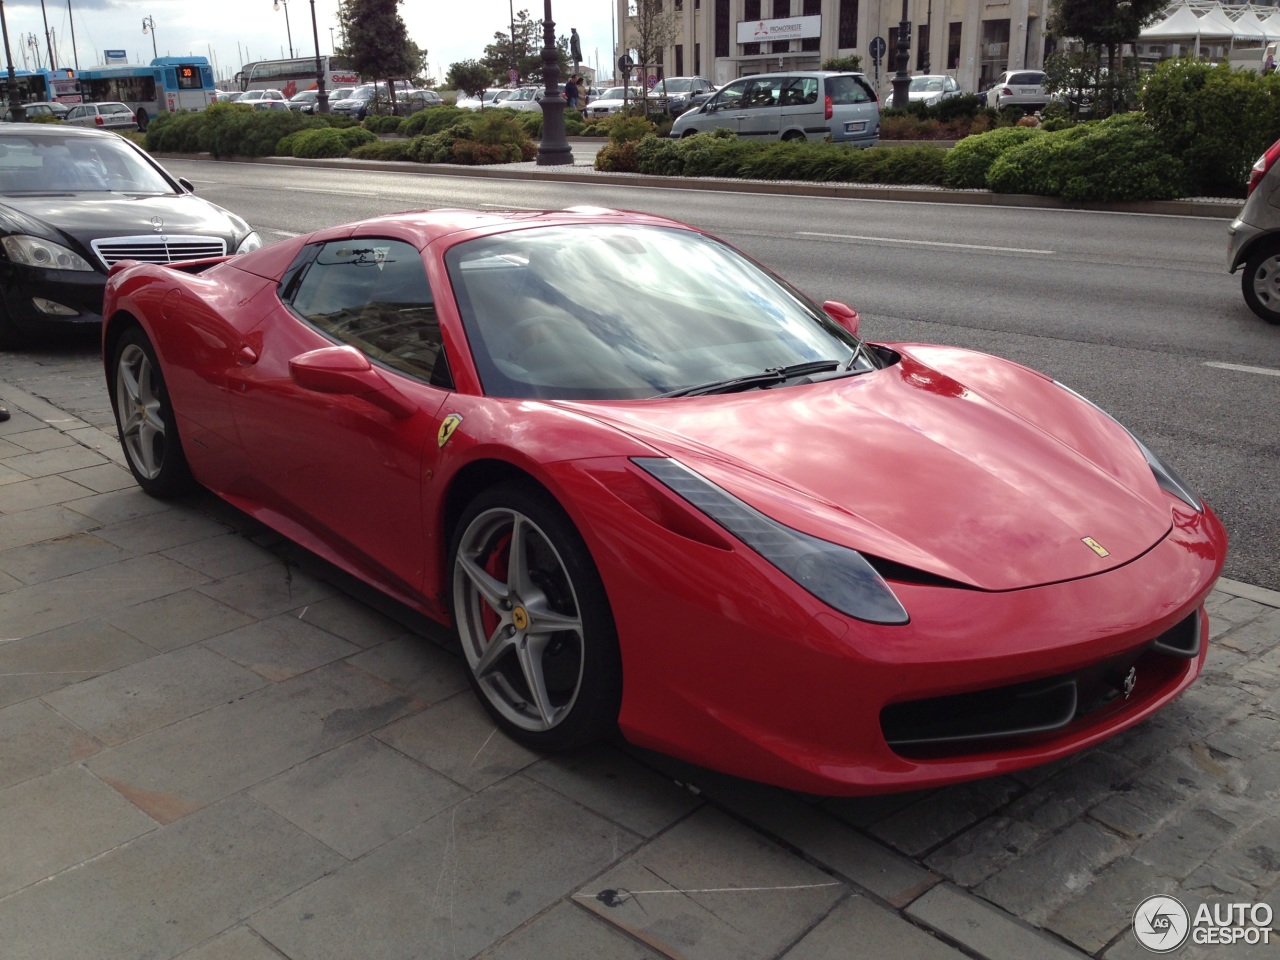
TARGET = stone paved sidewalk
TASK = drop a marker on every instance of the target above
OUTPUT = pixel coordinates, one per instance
(216, 746)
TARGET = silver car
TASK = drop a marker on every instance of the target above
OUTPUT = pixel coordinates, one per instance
(800, 105)
(1253, 239)
(104, 116)
(932, 89)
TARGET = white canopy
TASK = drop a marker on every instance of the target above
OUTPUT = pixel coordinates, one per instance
(1272, 26)
(1183, 23)
(1249, 27)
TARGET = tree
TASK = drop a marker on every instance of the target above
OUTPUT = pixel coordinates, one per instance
(471, 77)
(378, 41)
(1102, 25)
(649, 31)
(526, 58)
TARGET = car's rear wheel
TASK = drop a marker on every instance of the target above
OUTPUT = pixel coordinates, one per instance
(144, 418)
(533, 619)
(1261, 282)
(791, 135)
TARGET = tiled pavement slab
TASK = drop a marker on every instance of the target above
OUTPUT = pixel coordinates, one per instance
(214, 746)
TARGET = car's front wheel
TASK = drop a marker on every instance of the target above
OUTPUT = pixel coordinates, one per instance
(533, 619)
(1261, 282)
(144, 418)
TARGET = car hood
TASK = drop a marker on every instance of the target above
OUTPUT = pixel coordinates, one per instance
(989, 477)
(93, 216)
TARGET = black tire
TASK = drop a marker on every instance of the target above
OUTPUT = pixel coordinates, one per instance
(1260, 282)
(791, 135)
(11, 338)
(144, 418)
(507, 607)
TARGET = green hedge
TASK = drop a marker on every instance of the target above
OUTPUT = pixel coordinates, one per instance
(1217, 120)
(967, 163)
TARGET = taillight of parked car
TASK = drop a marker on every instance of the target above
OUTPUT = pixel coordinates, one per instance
(827, 110)
(97, 119)
(1263, 165)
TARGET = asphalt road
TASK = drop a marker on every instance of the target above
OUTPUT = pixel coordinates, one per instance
(1134, 311)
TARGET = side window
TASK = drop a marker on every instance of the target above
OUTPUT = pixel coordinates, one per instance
(730, 98)
(373, 293)
(761, 93)
(798, 91)
(848, 89)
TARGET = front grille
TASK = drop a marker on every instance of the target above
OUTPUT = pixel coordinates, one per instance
(158, 248)
(989, 719)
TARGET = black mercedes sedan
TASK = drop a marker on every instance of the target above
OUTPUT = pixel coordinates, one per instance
(73, 201)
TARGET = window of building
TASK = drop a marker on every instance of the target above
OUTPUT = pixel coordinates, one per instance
(922, 48)
(697, 59)
(679, 60)
(953, 46)
(848, 26)
(811, 8)
(751, 11)
(723, 26)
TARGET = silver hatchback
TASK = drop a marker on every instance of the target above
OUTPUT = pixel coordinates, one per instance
(104, 116)
(800, 105)
(1253, 239)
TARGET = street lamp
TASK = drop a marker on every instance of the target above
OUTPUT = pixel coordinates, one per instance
(17, 112)
(322, 96)
(288, 32)
(149, 22)
(902, 79)
(554, 148)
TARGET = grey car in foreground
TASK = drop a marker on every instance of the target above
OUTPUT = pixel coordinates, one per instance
(75, 201)
(1253, 239)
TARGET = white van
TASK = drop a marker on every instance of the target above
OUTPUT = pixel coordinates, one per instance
(798, 105)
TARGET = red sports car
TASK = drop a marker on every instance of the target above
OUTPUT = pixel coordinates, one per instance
(658, 489)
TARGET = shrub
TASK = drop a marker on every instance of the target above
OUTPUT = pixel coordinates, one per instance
(1118, 159)
(433, 120)
(382, 150)
(174, 133)
(382, 124)
(966, 164)
(1217, 120)
(904, 165)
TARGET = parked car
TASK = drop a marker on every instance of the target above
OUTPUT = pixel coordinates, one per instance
(611, 100)
(411, 101)
(932, 89)
(73, 201)
(523, 98)
(266, 104)
(108, 116)
(36, 111)
(251, 95)
(360, 102)
(646, 461)
(1253, 239)
(674, 95)
(1018, 88)
(225, 96)
(476, 103)
(304, 101)
(797, 105)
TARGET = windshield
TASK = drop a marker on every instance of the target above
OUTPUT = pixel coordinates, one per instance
(43, 164)
(926, 85)
(676, 86)
(609, 312)
(614, 93)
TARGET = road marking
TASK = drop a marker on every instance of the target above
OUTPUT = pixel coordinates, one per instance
(1265, 371)
(923, 243)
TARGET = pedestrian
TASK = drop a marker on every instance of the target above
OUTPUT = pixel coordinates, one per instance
(1270, 65)
(582, 94)
(571, 92)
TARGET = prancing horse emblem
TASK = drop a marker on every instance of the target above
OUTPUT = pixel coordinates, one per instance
(1130, 681)
(447, 426)
(1095, 546)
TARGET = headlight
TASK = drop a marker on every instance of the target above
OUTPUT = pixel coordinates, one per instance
(834, 574)
(1165, 475)
(35, 252)
(932, 101)
(251, 242)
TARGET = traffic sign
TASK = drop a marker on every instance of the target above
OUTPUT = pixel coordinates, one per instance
(878, 47)
(513, 76)
(652, 80)
(626, 64)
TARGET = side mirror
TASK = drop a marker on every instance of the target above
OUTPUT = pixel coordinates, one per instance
(842, 314)
(186, 185)
(345, 370)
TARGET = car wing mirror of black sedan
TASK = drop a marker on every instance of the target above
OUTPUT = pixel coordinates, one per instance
(842, 314)
(347, 371)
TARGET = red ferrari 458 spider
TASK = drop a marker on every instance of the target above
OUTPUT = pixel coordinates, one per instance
(665, 492)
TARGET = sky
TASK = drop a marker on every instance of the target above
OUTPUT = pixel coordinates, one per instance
(232, 32)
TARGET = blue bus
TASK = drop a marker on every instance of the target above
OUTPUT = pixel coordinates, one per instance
(167, 84)
(43, 85)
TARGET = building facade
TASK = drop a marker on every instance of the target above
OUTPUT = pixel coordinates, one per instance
(972, 40)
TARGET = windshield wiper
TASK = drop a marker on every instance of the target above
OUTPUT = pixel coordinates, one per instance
(766, 378)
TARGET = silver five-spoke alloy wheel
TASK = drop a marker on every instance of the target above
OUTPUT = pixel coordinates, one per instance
(518, 619)
(140, 410)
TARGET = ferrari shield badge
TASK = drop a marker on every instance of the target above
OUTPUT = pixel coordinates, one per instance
(1089, 542)
(447, 426)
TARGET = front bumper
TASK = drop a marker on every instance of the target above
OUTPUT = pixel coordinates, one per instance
(729, 664)
(77, 291)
